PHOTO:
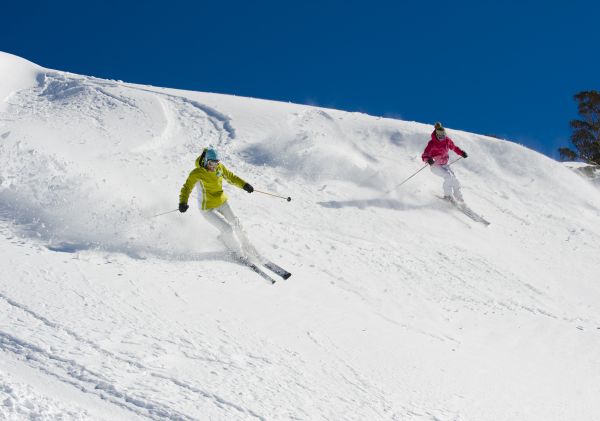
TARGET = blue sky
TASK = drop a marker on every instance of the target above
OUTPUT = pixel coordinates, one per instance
(506, 68)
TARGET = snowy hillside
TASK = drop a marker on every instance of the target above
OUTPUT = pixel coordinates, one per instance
(589, 172)
(399, 307)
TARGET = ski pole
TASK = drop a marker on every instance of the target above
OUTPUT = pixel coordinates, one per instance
(289, 199)
(164, 213)
(425, 166)
(460, 157)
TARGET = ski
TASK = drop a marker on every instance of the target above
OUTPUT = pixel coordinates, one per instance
(472, 214)
(252, 266)
(258, 271)
(278, 270)
(461, 206)
(254, 262)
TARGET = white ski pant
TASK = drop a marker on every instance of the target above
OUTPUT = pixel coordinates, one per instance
(451, 184)
(232, 232)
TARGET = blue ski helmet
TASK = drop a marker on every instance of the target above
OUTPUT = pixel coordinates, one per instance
(210, 155)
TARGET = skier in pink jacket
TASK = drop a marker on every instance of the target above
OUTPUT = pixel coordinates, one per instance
(436, 155)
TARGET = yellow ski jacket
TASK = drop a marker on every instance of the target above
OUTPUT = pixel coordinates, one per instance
(210, 185)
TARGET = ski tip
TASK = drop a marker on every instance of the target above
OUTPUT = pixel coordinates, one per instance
(286, 276)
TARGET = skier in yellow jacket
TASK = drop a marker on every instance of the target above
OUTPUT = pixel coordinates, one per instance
(208, 177)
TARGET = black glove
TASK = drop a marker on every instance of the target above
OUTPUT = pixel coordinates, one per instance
(183, 207)
(248, 188)
(464, 154)
(430, 161)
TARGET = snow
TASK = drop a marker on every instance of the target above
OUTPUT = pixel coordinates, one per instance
(399, 307)
(587, 171)
(17, 74)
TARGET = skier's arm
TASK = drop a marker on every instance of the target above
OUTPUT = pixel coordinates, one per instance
(426, 153)
(455, 148)
(188, 186)
(232, 178)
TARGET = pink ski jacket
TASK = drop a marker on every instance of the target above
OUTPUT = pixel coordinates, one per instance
(438, 150)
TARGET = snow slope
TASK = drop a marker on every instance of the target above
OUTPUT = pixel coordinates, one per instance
(399, 307)
(590, 172)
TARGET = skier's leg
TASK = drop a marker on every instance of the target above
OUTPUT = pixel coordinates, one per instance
(451, 183)
(442, 171)
(247, 247)
(455, 185)
(216, 219)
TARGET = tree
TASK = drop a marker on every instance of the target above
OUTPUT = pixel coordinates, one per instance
(586, 132)
(567, 154)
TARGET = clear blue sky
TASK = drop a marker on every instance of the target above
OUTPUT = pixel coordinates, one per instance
(508, 68)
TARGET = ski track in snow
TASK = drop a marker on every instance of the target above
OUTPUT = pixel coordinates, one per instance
(67, 363)
(60, 88)
(220, 121)
(63, 364)
(90, 381)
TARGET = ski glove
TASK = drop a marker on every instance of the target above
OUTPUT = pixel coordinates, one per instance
(183, 207)
(248, 188)
(464, 154)
(430, 161)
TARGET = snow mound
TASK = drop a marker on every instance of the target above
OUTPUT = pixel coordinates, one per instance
(86, 180)
(17, 74)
